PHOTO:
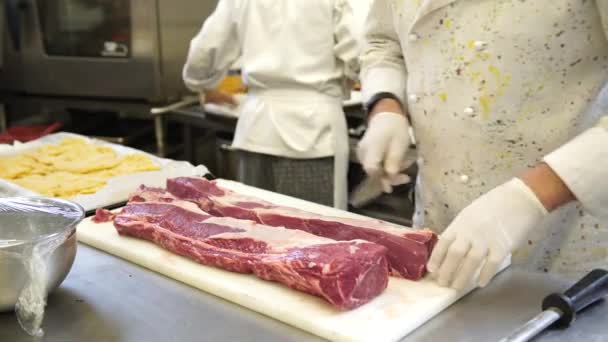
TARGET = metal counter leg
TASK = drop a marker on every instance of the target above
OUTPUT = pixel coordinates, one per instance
(188, 144)
(2, 118)
(160, 134)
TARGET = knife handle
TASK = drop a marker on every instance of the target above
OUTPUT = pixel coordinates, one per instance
(585, 292)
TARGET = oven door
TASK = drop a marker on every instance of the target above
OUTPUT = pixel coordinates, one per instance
(83, 48)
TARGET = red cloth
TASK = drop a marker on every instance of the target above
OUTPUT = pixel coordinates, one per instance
(27, 133)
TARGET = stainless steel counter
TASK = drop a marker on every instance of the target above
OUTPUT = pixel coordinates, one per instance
(107, 299)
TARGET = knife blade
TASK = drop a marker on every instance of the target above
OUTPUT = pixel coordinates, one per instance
(366, 192)
(375, 185)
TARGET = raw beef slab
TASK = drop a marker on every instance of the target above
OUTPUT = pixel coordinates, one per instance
(346, 274)
(408, 250)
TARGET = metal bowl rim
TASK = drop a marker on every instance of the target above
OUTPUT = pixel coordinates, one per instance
(41, 238)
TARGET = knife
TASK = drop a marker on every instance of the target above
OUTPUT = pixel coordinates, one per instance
(374, 186)
(559, 310)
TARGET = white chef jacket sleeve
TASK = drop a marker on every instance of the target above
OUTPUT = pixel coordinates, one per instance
(346, 47)
(582, 163)
(213, 50)
(382, 62)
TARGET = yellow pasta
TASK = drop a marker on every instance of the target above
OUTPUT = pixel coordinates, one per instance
(70, 168)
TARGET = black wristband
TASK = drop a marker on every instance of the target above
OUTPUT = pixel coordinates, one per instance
(369, 105)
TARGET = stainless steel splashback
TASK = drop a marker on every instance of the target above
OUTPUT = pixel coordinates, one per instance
(118, 49)
(2, 16)
(180, 20)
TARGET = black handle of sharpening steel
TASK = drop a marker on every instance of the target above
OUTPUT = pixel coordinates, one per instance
(585, 292)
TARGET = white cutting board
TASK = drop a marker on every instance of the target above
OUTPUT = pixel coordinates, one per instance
(403, 307)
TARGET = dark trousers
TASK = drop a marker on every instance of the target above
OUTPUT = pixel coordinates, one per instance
(307, 179)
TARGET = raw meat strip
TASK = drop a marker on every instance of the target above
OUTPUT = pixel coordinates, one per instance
(103, 215)
(408, 250)
(346, 274)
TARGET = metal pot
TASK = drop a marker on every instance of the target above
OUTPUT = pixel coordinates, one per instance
(26, 222)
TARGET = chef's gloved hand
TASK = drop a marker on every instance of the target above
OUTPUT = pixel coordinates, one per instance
(217, 97)
(484, 234)
(384, 147)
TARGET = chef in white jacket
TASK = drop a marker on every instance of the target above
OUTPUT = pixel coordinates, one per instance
(298, 58)
(512, 156)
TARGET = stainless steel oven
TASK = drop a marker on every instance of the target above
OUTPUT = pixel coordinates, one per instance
(116, 49)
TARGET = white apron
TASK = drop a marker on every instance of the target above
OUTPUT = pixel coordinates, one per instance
(298, 124)
(492, 87)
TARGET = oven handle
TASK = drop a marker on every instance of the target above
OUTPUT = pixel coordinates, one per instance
(14, 9)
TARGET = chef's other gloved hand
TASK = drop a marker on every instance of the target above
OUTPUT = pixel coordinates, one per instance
(484, 234)
(383, 149)
(217, 97)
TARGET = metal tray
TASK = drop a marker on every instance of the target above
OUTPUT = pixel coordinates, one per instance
(117, 191)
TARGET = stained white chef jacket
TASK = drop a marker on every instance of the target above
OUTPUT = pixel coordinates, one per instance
(492, 88)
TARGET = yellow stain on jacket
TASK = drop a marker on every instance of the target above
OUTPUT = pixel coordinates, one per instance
(443, 96)
(494, 71)
(532, 90)
(501, 82)
(447, 23)
(506, 159)
(600, 252)
(484, 56)
(525, 112)
(488, 89)
(502, 156)
(399, 4)
(484, 102)
(475, 75)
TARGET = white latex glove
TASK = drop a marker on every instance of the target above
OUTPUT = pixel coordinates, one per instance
(484, 234)
(383, 149)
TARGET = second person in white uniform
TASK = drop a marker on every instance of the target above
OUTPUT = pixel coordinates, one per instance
(297, 60)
